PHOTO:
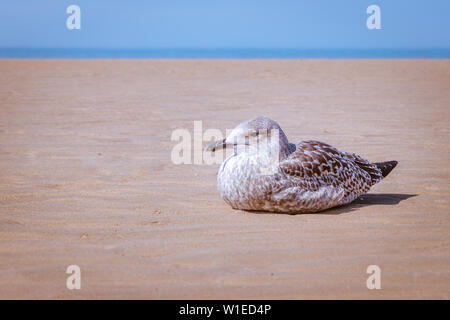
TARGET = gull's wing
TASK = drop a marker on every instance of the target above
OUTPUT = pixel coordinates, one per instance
(315, 165)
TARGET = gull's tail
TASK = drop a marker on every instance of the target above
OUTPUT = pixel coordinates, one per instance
(386, 167)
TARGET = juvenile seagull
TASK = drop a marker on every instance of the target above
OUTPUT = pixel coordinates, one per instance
(309, 176)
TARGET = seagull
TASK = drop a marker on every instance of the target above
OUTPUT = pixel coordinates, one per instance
(265, 172)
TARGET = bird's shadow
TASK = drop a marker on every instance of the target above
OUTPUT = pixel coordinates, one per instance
(371, 199)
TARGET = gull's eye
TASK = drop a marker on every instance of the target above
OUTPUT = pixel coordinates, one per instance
(254, 133)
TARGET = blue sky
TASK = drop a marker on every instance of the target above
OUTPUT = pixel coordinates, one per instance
(316, 24)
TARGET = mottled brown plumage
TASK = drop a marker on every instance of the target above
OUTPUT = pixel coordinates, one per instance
(309, 176)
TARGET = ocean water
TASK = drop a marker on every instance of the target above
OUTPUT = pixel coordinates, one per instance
(183, 53)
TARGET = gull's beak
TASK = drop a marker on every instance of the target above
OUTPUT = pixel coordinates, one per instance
(216, 145)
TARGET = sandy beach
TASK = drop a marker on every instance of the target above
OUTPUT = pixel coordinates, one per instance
(86, 178)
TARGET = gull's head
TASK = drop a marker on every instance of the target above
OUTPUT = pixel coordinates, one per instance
(251, 135)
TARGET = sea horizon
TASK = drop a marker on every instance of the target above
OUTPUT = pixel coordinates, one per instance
(223, 53)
